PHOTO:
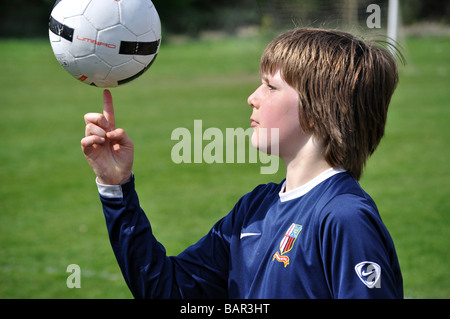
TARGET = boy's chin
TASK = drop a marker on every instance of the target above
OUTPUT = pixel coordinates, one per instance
(263, 144)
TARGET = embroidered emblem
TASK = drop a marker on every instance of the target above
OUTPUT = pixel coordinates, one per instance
(287, 243)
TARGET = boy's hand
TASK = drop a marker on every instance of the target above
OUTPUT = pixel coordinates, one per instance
(108, 150)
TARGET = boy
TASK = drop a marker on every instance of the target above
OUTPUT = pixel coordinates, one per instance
(315, 235)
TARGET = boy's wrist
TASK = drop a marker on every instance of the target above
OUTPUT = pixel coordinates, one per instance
(111, 191)
(122, 181)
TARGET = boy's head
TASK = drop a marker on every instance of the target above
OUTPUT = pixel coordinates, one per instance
(344, 86)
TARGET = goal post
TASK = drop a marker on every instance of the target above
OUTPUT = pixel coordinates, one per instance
(393, 16)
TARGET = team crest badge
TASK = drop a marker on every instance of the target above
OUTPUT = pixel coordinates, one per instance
(287, 243)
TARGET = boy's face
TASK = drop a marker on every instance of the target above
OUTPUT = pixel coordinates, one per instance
(275, 105)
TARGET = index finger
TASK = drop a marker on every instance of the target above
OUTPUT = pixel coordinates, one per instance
(108, 110)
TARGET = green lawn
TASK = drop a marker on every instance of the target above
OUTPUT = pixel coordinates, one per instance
(50, 213)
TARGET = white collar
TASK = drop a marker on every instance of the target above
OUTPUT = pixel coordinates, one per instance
(305, 188)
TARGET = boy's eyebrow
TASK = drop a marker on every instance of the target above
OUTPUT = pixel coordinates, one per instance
(265, 80)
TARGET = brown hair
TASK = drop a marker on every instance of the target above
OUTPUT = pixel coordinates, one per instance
(344, 86)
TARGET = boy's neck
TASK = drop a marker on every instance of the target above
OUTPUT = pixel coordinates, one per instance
(307, 163)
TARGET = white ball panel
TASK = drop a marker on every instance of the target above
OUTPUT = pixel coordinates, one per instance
(149, 37)
(144, 59)
(64, 58)
(92, 68)
(66, 9)
(126, 70)
(155, 23)
(136, 14)
(103, 13)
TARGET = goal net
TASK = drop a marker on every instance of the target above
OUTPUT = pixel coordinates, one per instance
(368, 18)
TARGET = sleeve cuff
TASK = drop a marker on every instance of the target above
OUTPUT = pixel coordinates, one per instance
(110, 191)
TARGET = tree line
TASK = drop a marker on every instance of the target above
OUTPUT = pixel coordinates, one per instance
(29, 18)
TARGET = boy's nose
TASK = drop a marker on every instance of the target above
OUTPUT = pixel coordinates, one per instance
(252, 100)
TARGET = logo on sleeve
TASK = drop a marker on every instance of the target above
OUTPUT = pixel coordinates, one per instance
(369, 273)
(287, 243)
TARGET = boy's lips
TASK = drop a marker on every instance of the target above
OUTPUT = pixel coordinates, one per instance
(254, 123)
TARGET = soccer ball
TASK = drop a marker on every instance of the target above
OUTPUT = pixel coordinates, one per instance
(105, 43)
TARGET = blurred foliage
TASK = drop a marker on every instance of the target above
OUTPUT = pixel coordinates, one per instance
(192, 16)
(29, 18)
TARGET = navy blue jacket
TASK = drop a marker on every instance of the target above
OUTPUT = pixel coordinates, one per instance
(324, 241)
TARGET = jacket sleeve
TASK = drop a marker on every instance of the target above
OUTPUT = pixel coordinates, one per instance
(200, 271)
(357, 251)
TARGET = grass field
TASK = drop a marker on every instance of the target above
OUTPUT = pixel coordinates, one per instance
(50, 215)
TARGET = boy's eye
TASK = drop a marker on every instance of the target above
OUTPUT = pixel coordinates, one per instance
(268, 85)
